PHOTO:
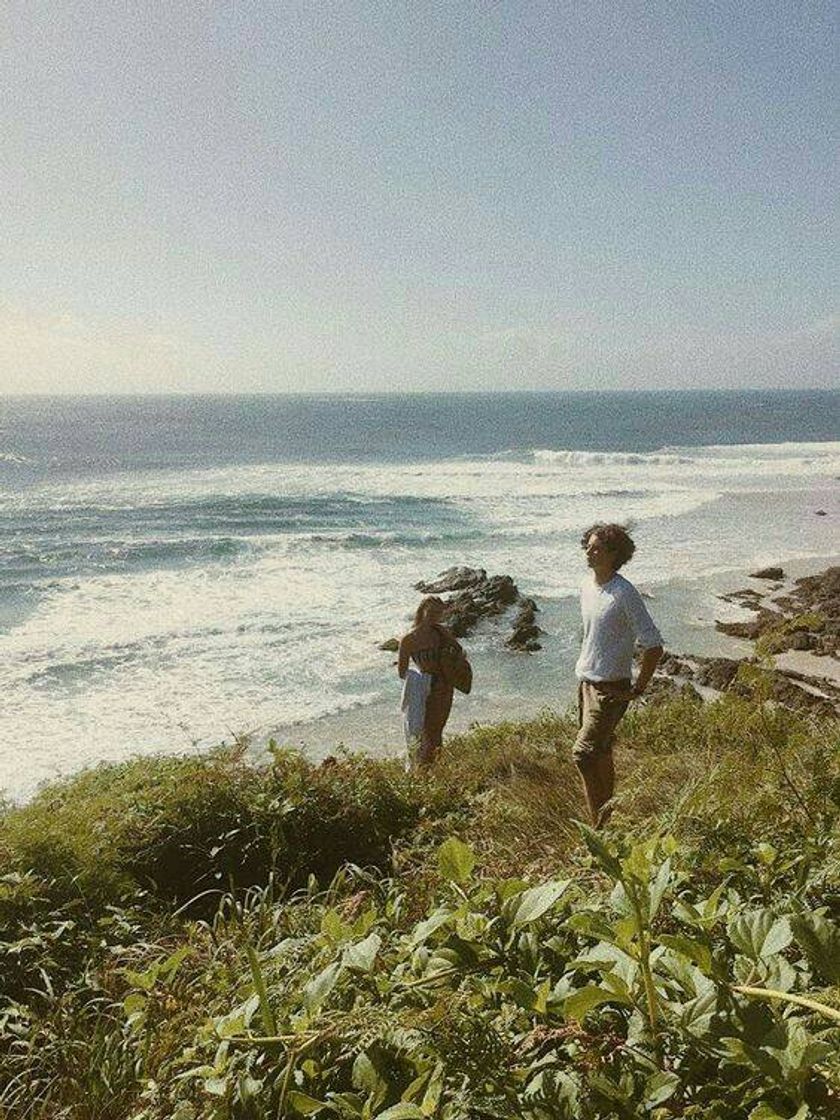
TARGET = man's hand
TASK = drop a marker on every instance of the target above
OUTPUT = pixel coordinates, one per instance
(650, 659)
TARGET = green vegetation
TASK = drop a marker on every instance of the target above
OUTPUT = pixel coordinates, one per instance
(776, 638)
(202, 939)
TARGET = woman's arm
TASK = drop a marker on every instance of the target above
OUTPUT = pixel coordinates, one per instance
(402, 657)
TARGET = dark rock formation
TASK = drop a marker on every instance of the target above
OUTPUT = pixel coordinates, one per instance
(678, 676)
(663, 688)
(453, 579)
(746, 597)
(768, 573)
(716, 672)
(806, 618)
(753, 628)
(672, 666)
(475, 595)
(525, 630)
(485, 597)
(390, 645)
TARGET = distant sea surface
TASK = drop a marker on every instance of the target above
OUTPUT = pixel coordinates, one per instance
(179, 571)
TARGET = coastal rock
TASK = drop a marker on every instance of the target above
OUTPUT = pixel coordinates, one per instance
(390, 645)
(753, 628)
(807, 620)
(497, 593)
(475, 595)
(773, 572)
(791, 695)
(672, 666)
(746, 597)
(526, 633)
(453, 579)
(664, 688)
(821, 592)
(486, 596)
(792, 639)
(717, 672)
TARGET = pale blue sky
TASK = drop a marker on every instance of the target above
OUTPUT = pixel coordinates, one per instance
(311, 196)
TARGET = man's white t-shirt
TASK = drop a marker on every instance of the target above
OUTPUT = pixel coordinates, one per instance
(614, 619)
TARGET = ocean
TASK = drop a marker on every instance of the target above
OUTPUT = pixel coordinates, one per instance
(180, 571)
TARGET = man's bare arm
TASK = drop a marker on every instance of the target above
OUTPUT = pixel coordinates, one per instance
(650, 659)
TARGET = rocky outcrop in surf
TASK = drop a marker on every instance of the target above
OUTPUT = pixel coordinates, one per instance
(474, 596)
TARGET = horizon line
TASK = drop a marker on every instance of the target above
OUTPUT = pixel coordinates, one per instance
(339, 393)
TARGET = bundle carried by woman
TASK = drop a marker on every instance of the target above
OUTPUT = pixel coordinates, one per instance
(454, 665)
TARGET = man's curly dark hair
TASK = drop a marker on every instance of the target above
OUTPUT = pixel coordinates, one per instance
(616, 539)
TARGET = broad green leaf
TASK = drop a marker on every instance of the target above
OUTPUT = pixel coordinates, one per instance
(144, 980)
(401, 1111)
(580, 1002)
(779, 937)
(800, 1051)
(660, 1087)
(595, 925)
(431, 1098)
(765, 1111)
(416, 1086)
(606, 956)
(595, 843)
(697, 1014)
(537, 901)
(456, 860)
(423, 929)
(248, 1087)
(184, 1111)
(637, 865)
(170, 966)
(819, 938)
(618, 986)
(658, 888)
(333, 927)
(522, 993)
(779, 974)
(689, 947)
(507, 888)
(303, 1104)
(134, 1003)
(362, 955)
(758, 933)
(317, 990)
(365, 1075)
(766, 853)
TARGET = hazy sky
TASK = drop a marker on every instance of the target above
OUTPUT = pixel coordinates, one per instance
(309, 196)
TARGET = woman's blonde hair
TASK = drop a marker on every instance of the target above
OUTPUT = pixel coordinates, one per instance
(426, 606)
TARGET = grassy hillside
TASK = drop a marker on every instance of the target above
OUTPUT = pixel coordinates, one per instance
(200, 938)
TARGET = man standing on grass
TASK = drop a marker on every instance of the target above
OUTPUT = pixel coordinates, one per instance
(614, 619)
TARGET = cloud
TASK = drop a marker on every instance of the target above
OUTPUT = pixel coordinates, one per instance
(64, 352)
